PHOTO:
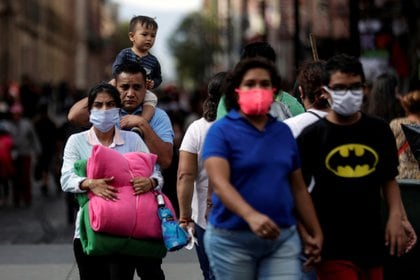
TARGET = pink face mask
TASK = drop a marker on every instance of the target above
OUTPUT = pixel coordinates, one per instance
(256, 101)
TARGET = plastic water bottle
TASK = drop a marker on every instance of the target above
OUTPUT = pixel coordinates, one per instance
(174, 236)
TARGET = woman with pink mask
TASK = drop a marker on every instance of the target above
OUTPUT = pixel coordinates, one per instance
(253, 164)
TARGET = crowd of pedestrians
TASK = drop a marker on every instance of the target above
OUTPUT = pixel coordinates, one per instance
(29, 134)
(273, 186)
(33, 116)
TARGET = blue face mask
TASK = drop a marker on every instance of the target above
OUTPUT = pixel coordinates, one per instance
(104, 120)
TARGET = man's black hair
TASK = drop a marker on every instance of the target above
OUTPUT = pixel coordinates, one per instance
(131, 68)
(343, 63)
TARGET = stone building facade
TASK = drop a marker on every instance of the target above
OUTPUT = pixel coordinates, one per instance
(53, 41)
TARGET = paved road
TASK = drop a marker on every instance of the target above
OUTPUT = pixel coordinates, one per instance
(35, 243)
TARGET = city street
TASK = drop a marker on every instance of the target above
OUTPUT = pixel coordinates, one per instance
(35, 243)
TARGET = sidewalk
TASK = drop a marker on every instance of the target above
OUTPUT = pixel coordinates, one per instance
(36, 244)
(56, 262)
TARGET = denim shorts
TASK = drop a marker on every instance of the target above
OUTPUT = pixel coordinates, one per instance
(242, 255)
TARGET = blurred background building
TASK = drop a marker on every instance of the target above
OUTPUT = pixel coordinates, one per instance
(72, 43)
(54, 41)
(383, 33)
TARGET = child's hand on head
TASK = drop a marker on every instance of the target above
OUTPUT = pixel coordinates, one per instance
(150, 84)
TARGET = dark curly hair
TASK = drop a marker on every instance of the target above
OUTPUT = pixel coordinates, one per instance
(234, 78)
(214, 91)
(411, 102)
(310, 80)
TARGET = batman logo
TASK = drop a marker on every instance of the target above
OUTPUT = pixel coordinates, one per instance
(352, 160)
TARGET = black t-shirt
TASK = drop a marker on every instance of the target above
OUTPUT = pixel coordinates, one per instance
(349, 164)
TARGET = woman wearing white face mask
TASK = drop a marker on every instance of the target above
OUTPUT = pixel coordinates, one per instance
(103, 104)
(253, 164)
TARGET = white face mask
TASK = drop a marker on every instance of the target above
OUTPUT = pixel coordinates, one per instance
(104, 120)
(345, 102)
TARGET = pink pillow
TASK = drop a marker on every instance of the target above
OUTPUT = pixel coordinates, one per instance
(130, 215)
(105, 163)
(141, 164)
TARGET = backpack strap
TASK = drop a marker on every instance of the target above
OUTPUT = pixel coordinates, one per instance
(403, 148)
(315, 114)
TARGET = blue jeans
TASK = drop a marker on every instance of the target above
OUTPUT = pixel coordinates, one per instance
(201, 254)
(242, 255)
(307, 274)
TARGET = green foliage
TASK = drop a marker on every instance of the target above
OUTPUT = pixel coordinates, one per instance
(193, 45)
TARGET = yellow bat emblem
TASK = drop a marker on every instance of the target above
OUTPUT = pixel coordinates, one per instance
(352, 160)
